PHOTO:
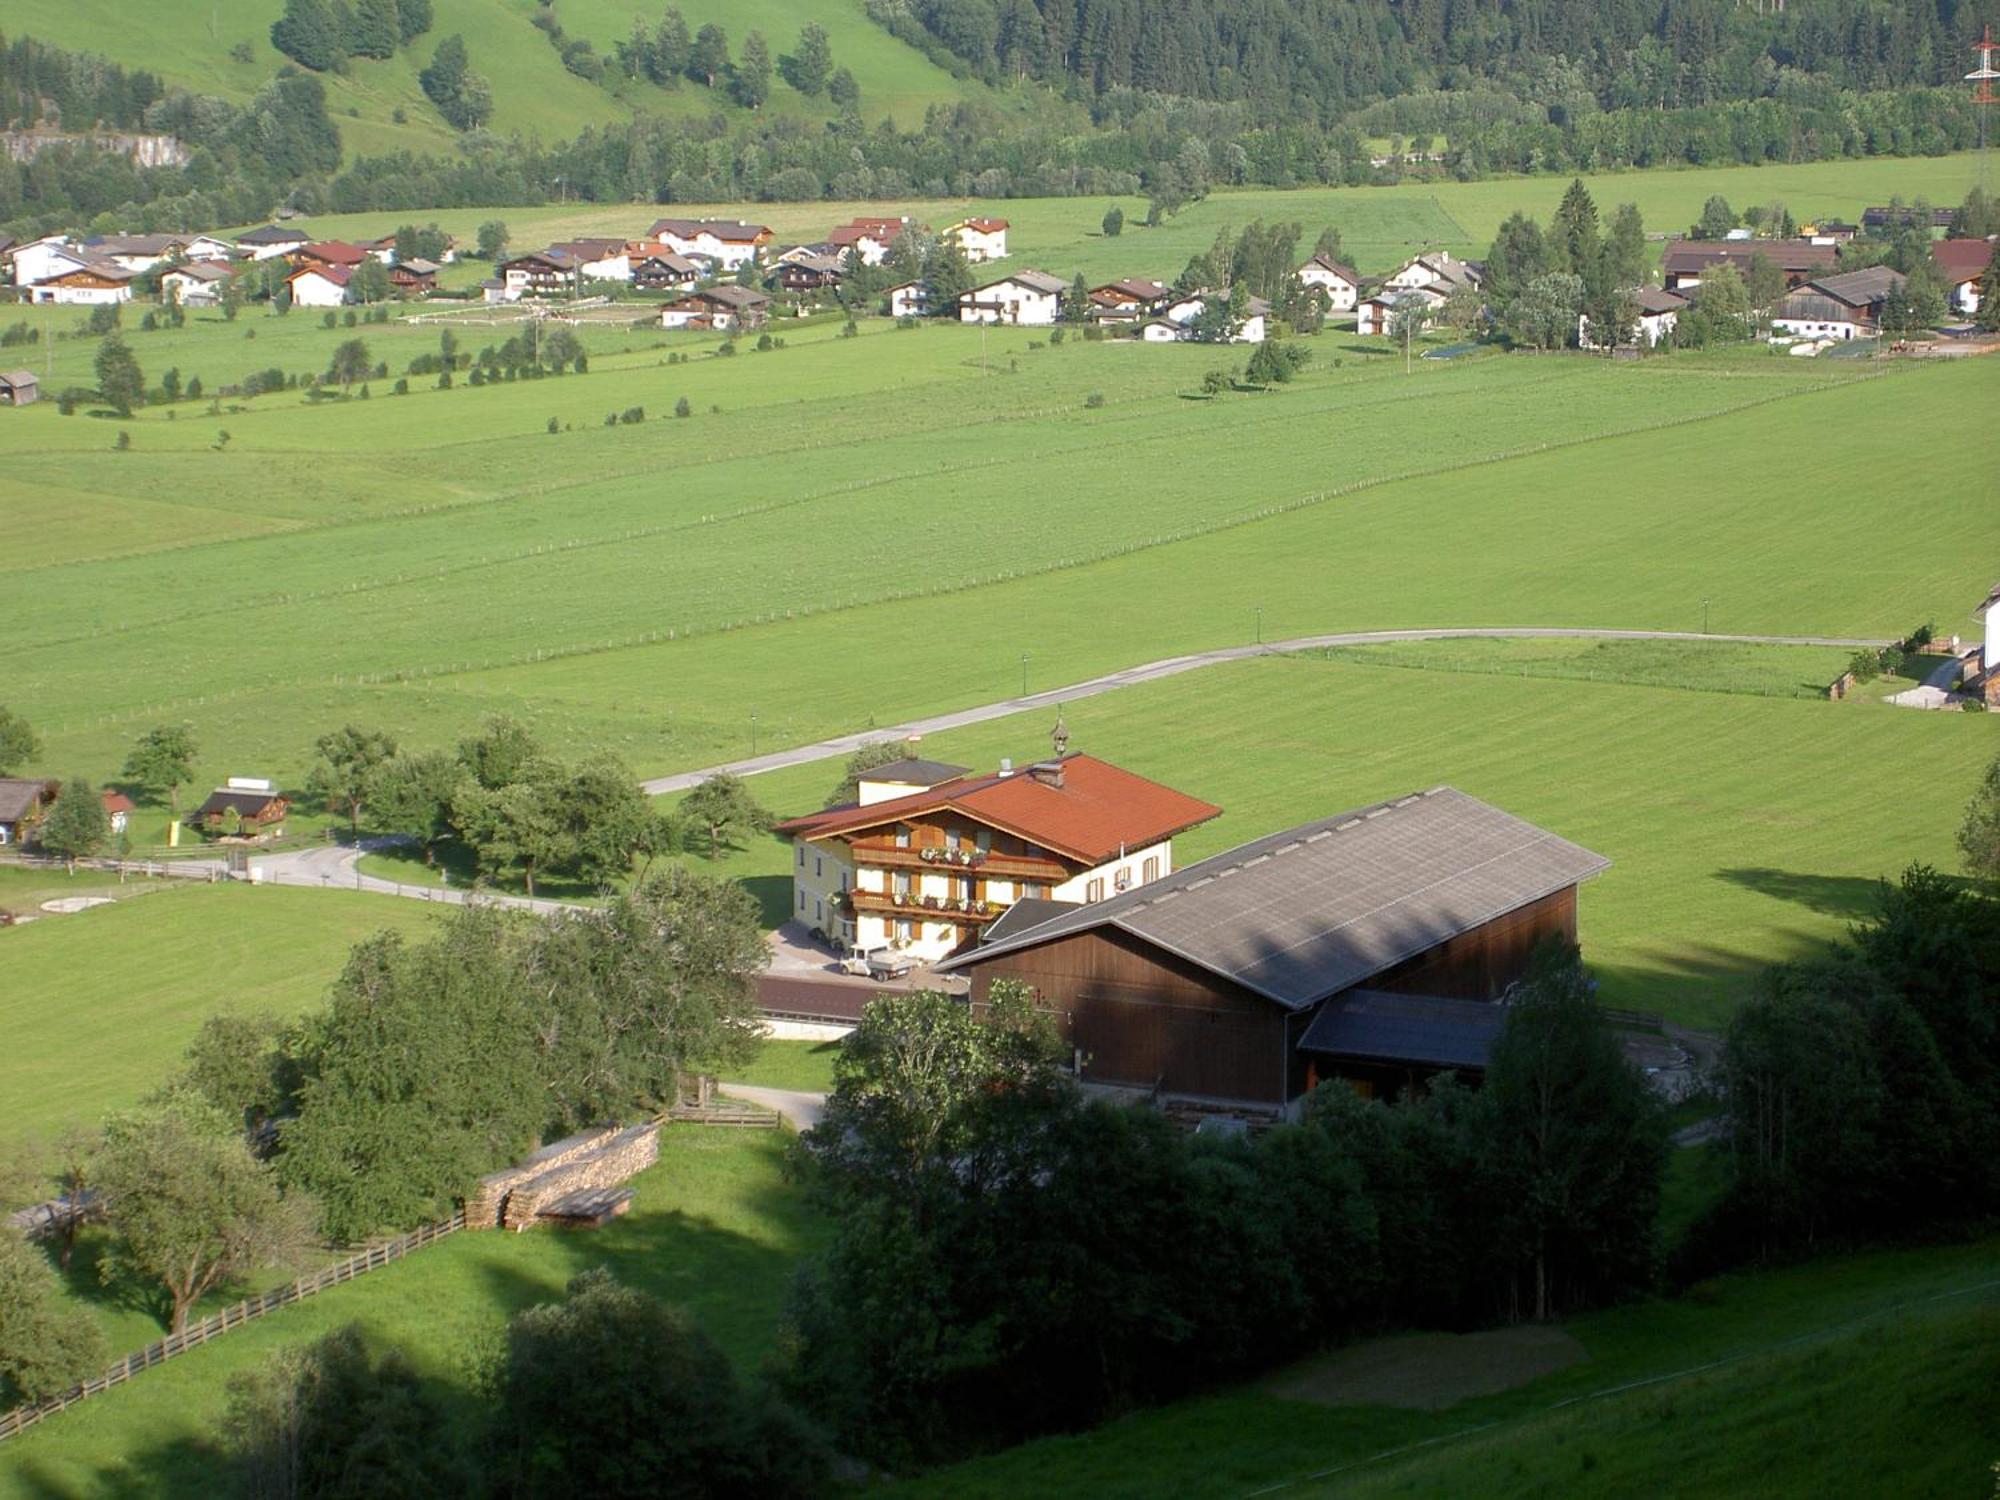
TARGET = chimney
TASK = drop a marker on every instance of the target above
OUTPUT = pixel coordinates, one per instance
(1006, 765)
(1047, 772)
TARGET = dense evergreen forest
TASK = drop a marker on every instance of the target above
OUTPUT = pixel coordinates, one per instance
(1166, 101)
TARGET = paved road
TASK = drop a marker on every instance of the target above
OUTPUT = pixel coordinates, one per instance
(1173, 666)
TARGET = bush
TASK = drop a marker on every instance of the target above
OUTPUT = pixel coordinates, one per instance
(682, 408)
(554, 425)
(401, 388)
(1094, 400)
(763, 342)
(850, 329)
(632, 415)
(1866, 666)
(728, 348)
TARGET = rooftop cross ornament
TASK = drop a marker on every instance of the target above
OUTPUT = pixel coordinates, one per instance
(1059, 736)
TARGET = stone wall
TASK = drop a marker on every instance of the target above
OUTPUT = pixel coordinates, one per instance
(486, 1203)
(608, 1164)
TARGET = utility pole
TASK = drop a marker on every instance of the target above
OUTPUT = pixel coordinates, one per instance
(1704, 617)
(1024, 674)
(1260, 624)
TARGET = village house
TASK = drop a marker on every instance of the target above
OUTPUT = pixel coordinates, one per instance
(806, 273)
(1436, 271)
(1987, 683)
(930, 854)
(727, 242)
(665, 271)
(22, 800)
(598, 259)
(198, 283)
(330, 253)
(319, 285)
(247, 807)
(1128, 300)
(118, 810)
(270, 242)
(979, 239)
(1847, 306)
(1374, 315)
(1902, 216)
(908, 299)
(1684, 261)
(1374, 946)
(1658, 310)
(1960, 266)
(1340, 283)
(1158, 330)
(7, 244)
(542, 273)
(1829, 232)
(38, 260)
(19, 388)
(869, 238)
(1032, 299)
(725, 309)
(208, 247)
(1182, 313)
(136, 252)
(94, 283)
(415, 277)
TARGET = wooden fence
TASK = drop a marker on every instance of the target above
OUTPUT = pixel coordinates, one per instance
(15, 1422)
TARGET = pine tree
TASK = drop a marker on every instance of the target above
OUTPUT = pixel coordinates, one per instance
(843, 90)
(672, 51)
(709, 58)
(808, 69)
(374, 29)
(308, 34)
(119, 380)
(751, 80)
(1573, 232)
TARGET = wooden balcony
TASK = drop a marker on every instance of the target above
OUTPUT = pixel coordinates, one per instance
(915, 909)
(989, 866)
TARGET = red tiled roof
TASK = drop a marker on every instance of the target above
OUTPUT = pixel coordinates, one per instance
(1962, 260)
(334, 253)
(1692, 257)
(338, 275)
(1098, 810)
(117, 802)
(983, 226)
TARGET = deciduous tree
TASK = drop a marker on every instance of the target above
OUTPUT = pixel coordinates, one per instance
(412, 794)
(189, 1207)
(708, 59)
(1979, 834)
(724, 809)
(47, 1343)
(751, 79)
(119, 379)
(77, 826)
(344, 770)
(809, 68)
(19, 744)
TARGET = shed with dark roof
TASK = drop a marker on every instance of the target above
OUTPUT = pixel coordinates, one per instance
(1208, 981)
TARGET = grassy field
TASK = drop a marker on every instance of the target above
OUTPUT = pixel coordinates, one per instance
(423, 561)
(715, 1229)
(1869, 1375)
(99, 1006)
(533, 93)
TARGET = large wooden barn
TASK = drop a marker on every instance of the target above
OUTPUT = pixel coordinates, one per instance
(1369, 946)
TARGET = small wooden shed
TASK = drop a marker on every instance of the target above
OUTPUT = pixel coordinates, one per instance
(19, 388)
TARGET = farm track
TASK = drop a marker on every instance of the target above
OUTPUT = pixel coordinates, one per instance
(1173, 666)
(1094, 441)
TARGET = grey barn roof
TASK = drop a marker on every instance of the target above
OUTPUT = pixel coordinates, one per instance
(1303, 914)
(1029, 911)
(910, 771)
(1421, 1029)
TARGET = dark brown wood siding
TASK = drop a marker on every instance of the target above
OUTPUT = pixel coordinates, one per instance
(1480, 964)
(1144, 1017)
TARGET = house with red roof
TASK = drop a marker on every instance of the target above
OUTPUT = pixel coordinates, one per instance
(1960, 266)
(118, 809)
(329, 253)
(317, 285)
(930, 856)
(980, 238)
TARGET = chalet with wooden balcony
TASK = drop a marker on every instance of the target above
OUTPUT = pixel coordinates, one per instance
(929, 855)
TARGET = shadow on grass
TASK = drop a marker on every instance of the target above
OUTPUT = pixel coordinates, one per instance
(1830, 895)
(773, 895)
(182, 1466)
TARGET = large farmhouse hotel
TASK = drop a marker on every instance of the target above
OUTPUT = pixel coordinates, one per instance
(930, 855)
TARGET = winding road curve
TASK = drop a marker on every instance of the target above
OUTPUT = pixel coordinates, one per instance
(1173, 666)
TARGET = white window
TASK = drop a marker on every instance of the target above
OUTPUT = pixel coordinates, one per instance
(902, 835)
(951, 838)
(905, 930)
(1093, 889)
(1150, 871)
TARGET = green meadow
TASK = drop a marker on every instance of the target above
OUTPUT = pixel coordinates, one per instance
(715, 1229)
(100, 1005)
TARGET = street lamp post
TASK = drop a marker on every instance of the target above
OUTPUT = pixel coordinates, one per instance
(1260, 624)
(1024, 674)
(753, 731)
(1704, 617)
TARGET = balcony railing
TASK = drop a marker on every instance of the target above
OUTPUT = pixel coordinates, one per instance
(923, 908)
(963, 861)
